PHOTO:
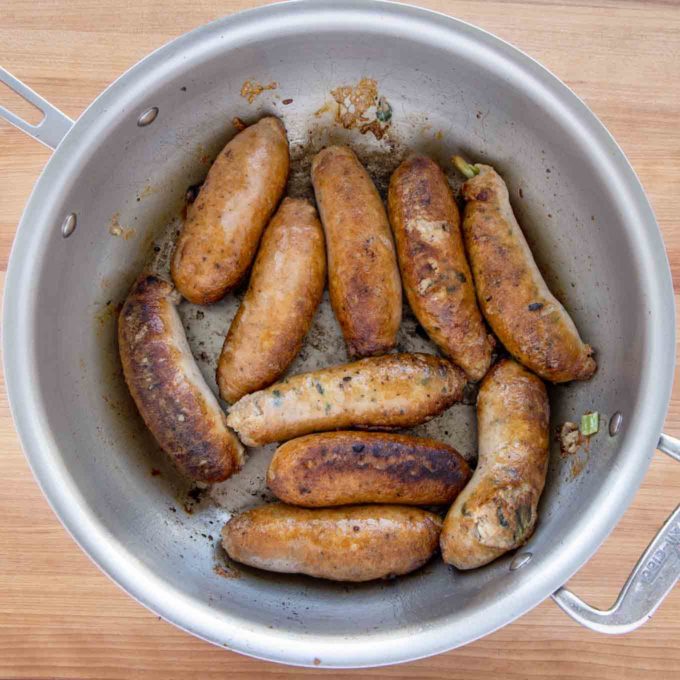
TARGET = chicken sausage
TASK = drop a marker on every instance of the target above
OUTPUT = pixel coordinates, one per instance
(527, 318)
(171, 394)
(285, 289)
(434, 271)
(497, 510)
(224, 224)
(363, 277)
(357, 543)
(389, 392)
(344, 468)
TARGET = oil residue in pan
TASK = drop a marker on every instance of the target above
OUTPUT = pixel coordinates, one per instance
(206, 326)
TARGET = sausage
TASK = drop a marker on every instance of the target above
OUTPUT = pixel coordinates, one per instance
(534, 327)
(497, 510)
(343, 468)
(173, 398)
(363, 277)
(389, 392)
(224, 224)
(434, 271)
(285, 289)
(356, 543)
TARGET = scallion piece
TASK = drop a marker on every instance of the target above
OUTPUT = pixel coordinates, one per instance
(590, 424)
(466, 168)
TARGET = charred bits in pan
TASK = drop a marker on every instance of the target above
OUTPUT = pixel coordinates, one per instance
(361, 107)
(251, 89)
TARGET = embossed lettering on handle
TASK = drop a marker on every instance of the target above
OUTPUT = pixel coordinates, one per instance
(652, 579)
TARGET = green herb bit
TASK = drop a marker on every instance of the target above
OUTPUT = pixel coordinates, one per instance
(590, 424)
(468, 169)
(383, 111)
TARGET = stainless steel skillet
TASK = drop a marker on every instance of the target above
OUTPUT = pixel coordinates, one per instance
(85, 234)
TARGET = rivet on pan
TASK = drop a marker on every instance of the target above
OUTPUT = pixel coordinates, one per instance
(615, 424)
(520, 560)
(68, 226)
(148, 117)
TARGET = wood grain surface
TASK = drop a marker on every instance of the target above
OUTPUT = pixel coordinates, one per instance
(60, 617)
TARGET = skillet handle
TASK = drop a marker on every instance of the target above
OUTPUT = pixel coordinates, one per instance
(650, 581)
(54, 125)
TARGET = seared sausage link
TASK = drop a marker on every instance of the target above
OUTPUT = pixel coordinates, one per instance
(343, 468)
(497, 510)
(363, 277)
(173, 398)
(389, 392)
(435, 273)
(285, 289)
(357, 543)
(224, 224)
(534, 327)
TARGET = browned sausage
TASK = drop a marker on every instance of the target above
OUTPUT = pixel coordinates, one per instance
(363, 278)
(497, 510)
(356, 543)
(173, 398)
(534, 327)
(224, 224)
(344, 468)
(434, 271)
(389, 392)
(285, 289)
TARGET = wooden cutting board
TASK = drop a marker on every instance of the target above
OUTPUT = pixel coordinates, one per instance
(61, 617)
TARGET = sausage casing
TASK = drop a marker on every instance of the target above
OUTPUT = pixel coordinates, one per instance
(388, 392)
(534, 327)
(344, 468)
(434, 270)
(363, 277)
(285, 288)
(224, 224)
(356, 543)
(497, 510)
(171, 394)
